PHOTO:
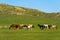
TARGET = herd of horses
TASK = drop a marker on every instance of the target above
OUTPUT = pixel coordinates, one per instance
(20, 26)
(30, 26)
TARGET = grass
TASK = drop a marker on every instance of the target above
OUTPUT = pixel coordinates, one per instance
(24, 34)
(6, 34)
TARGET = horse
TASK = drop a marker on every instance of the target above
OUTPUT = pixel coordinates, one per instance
(16, 26)
(46, 26)
(29, 26)
(53, 26)
(41, 26)
(50, 26)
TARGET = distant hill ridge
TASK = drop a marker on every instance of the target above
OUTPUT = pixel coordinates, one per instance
(17, 10)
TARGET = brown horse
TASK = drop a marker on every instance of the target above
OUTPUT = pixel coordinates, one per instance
(15, 26)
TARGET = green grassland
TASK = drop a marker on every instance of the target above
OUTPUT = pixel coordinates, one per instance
(24, 34)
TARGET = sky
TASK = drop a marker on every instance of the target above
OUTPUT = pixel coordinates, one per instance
(43, 5)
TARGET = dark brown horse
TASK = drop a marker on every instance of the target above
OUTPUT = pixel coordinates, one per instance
(15, 26)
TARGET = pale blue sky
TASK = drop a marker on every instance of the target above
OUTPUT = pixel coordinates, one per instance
(43, 5)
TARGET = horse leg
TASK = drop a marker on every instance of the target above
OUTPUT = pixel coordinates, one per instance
(42, 28)
(9, 27)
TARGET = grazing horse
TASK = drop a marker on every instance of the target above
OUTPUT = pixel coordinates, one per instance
(41, 26)
(29, 26)
(49, 26)
(53, 26)
(46, 26)
(16, 26)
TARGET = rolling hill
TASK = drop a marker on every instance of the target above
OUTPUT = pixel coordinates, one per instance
(17, 10)
(9, 9)
(15, 14)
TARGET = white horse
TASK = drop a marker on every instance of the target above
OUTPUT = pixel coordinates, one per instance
(30, 26)
(46, 26)
(50, 26)
(53, 26)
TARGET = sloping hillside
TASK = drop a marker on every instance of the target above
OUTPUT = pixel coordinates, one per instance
(17, 10)
(14, 14)
(9, 9)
